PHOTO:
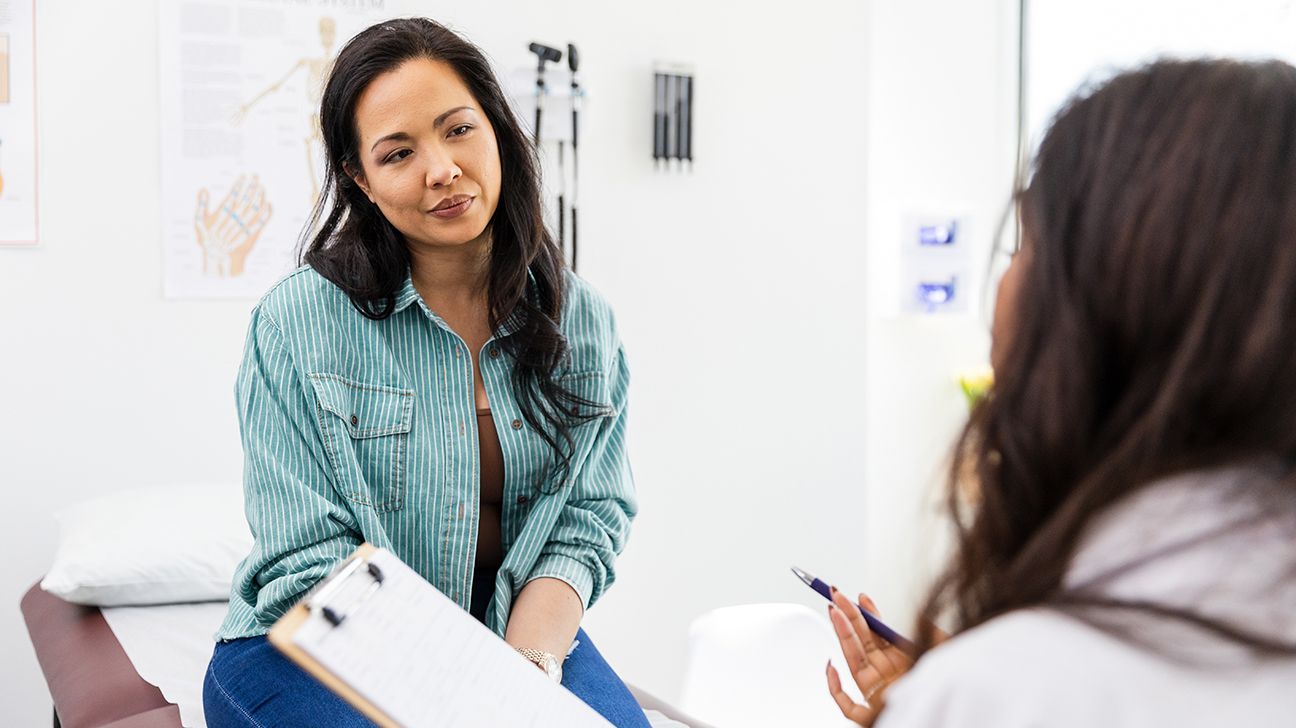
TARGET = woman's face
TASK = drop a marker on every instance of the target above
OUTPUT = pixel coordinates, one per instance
(428, 155)
(1007, 304)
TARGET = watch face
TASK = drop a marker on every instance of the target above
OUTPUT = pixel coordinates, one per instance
(553, 669)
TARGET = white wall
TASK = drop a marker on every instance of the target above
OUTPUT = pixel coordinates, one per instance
(1061, 54)
(106, 385)
(758, 440)
(737, 289)
(941, 136)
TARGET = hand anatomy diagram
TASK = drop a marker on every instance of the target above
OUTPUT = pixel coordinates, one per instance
(227, 234)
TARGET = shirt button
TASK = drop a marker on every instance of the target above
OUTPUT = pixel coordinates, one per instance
(354, 420)
(494, 353)
(522, 500)
(458, 354)
(517, 424)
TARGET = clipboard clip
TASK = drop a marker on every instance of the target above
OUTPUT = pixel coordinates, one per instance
(319, 602)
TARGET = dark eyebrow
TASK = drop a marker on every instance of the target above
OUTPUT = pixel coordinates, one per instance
(442, 118)
(402, 136)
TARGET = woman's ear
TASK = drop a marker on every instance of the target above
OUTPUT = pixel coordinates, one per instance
(358, 177)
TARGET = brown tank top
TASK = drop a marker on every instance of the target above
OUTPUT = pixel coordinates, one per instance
(490, 551)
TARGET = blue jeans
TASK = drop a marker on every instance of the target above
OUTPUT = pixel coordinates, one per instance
(250, 684)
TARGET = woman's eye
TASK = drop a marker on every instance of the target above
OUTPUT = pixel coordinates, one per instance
(460, 130)
(397, 155)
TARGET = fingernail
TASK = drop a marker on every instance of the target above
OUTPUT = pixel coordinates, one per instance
(832, 589)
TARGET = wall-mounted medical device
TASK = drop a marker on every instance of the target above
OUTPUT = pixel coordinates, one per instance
(934, 264)
(674, 98)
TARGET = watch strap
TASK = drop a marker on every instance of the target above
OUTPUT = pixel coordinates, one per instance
(539, 657)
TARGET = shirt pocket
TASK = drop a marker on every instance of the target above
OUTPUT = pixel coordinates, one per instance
(592, 386)
(595, 387)
(366, 430)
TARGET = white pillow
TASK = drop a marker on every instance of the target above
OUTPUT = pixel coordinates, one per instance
(150, 546)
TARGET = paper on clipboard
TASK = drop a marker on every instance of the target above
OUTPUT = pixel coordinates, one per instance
(406, 655)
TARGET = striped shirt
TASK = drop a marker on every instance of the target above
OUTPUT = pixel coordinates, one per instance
(358, 430)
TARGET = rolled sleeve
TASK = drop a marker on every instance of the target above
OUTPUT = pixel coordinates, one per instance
(577, 573)
(594, 523)
(301, 527)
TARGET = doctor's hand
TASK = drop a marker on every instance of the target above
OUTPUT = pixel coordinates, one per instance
(874, 663)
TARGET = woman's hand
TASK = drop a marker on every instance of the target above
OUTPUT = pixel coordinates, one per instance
(874, 663)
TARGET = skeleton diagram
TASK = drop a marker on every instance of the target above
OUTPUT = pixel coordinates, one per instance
(317, 69)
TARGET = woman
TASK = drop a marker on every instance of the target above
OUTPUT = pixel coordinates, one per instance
(432, 382)
(1129, 559)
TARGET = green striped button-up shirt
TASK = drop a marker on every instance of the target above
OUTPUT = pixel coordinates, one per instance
(359, 430)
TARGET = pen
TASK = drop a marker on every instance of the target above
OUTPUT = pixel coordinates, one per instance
(875, 625)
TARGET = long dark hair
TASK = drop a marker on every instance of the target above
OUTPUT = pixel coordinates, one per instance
(351, 243)
(1154, 331)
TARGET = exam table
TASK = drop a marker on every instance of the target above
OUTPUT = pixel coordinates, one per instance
(94, 681)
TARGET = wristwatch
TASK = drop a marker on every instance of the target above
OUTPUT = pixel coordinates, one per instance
(546, 661)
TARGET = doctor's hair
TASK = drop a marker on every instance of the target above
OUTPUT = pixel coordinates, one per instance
(1153, 336)
(351, 243)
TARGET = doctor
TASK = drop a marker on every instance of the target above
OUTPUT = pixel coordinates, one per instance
(1128, 558)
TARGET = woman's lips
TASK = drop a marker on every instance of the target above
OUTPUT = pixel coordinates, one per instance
(453, 211)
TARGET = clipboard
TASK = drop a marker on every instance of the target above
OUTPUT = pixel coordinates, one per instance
(389, 643)
(281, 636)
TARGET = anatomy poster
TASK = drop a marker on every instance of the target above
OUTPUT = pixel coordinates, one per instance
(242, 156)
(17, 123)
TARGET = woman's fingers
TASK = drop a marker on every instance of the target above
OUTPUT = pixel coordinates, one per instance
(897, 660)
(851, 612)
(874, 663)
(877, 651)
(900, 660)
(853, 711)
(852, 647)
(861, 627)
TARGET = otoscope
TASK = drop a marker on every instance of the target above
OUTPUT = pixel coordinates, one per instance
(544, 55)
(573, 62)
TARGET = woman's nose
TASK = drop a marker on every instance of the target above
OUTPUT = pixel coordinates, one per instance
(442, 171)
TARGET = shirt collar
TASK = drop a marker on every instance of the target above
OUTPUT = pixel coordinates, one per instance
(406, 294)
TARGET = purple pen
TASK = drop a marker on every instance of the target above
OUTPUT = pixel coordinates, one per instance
(875, 624)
